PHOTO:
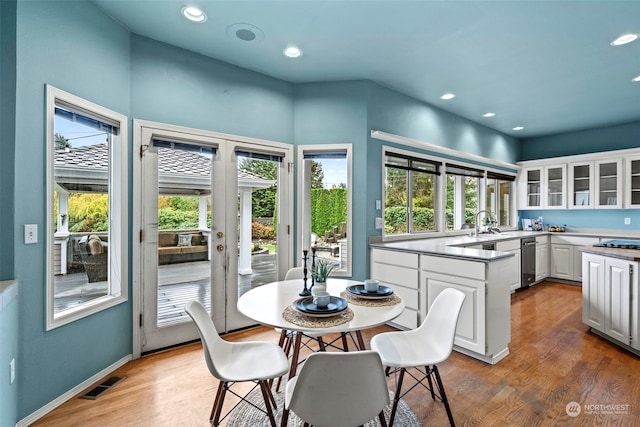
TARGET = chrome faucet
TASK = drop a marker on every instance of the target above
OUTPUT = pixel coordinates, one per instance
(477, 228)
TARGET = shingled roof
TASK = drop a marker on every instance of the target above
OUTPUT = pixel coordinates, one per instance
(84, 169)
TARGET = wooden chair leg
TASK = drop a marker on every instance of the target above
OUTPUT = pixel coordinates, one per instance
(361, 345)
(217, 405)
(296, 354)
(345, 344)
(383, 421)
(321, 344)
(396, 397)
(285, 417)
(268, 398)
(443, 396)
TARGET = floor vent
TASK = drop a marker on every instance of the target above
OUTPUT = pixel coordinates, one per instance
(100, 389)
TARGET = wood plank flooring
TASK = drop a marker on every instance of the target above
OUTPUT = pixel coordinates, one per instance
(554, 360)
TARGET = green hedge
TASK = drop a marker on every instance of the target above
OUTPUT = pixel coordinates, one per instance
(328, 208)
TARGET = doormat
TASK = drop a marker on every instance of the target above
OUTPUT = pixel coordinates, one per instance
(100, 389)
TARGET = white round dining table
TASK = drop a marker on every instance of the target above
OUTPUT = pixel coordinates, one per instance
(265, 304)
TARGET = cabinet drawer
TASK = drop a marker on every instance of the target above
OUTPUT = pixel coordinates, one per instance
(542, 240)
(574, 240)
(395, 275)
(410, 296)
(453, 267)
(407, 320)
(403, 259)
(508, 245)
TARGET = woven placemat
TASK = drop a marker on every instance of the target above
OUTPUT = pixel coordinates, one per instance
(393, 299)
(292, 315)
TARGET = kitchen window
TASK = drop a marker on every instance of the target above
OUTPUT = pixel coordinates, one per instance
(463, 185)
(410, 194)
(499, 197)
(87, 217)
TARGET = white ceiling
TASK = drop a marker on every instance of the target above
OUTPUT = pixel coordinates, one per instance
(545, 65)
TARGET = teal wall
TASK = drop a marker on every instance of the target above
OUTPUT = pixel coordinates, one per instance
(75, 47)
(595, 140)
(336, 113)
(7, 134)
(175, 86)
(608, 138)
(9, 325)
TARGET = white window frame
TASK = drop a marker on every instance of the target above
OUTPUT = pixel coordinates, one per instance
(441, 191)
(303, 218)
(118, 210)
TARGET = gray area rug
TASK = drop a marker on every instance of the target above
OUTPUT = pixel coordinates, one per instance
(246, 415)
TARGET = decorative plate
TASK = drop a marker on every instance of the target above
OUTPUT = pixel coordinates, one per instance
(361, 292)
(307, 306)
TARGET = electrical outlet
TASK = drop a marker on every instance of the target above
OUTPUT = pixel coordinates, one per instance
(627, 221)
(12, 368)
(379, 224)
(30, 234)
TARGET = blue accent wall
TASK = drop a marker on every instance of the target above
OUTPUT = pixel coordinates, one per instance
(175, 86)
(587, 218)
(336, 113)
(595, 140)
(7, 134)
(77, 48)
(8, 352)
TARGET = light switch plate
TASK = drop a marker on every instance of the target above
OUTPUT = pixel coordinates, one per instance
(30, 234)
(627, 221)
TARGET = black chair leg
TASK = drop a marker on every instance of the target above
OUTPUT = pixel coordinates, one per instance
(433, 395)
(396, 397)
(383, 422)
(443, 396)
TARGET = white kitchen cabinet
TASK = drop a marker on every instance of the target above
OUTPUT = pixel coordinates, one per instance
(608, 183)
(400, 271)
(543, 187)
(581, 184)
(542, 258)
(607, 286)
(566, 258)
(515, 266)
(484, 325)
(632, 182)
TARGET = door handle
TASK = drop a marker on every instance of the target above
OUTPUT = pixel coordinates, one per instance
(219, 234)
(220, 248)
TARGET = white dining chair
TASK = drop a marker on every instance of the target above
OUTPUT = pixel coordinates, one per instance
(230, 362)
(422, 348)
(338, 389)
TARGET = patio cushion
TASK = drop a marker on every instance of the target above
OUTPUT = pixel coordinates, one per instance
(167, 239)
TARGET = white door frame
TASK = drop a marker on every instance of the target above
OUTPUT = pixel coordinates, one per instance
(285, 212)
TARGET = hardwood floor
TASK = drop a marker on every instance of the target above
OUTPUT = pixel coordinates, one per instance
(554, 360)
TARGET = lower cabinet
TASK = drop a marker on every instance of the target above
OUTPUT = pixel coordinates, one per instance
(607, 306)
(542, 258)
(566, 258)
(515, 264)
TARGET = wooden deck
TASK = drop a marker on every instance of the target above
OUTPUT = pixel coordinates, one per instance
(177, 284)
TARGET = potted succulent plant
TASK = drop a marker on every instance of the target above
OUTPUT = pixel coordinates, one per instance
(320, 273)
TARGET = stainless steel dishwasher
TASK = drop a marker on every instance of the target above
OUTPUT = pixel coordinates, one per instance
(528, 261)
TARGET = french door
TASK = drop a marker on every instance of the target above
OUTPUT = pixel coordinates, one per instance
(198, 194)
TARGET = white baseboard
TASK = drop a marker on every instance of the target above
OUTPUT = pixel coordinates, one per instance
(35, 416)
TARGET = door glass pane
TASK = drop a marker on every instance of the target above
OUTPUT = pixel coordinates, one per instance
(581, 180)
(423, 191)
(608, 183)
(257, 221)
(184, 221)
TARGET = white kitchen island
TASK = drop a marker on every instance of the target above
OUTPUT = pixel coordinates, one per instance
(610, 300)
(419, 270)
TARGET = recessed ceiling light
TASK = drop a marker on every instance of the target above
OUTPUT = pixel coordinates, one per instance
(636, 79)
(448, 96)
(194, 14)
(518, 128)
(488, 114)
(293, 52)
(624, 39)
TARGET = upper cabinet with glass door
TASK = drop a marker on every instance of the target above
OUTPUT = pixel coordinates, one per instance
(580, 185)
(544, 187)
(632, 182)
(608, 183)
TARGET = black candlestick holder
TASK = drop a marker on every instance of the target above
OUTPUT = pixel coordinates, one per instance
(305, 292)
